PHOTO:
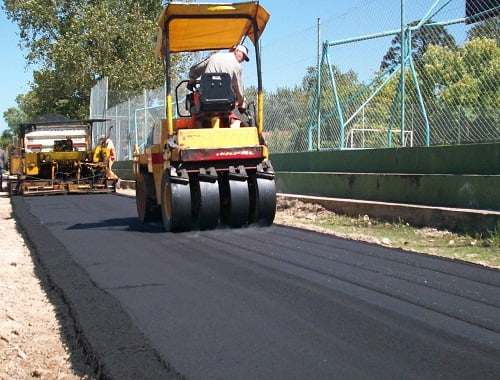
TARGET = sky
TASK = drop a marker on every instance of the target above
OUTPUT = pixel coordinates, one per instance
(288, 45)
(15, 76)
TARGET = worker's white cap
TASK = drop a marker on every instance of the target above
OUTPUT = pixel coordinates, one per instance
(244, 50)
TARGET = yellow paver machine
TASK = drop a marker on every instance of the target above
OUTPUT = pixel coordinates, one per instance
(200, 169)
(54, 155)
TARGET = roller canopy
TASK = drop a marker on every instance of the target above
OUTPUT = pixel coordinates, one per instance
(195, 27)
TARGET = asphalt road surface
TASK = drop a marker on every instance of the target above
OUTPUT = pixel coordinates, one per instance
(259, 303)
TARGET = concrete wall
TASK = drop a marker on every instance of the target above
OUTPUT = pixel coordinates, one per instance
(466, 176)
(465, 191)
(124, 170)
(457, 159)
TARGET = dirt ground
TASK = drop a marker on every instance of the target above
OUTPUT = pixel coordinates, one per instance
(35, 327)
(31, 327)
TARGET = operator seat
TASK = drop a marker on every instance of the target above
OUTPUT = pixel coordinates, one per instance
(216, 96)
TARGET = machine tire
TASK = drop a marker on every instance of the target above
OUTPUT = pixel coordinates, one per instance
(262, 201)
(175, 205)
(145, 198)
(206, 203)
(235, 202)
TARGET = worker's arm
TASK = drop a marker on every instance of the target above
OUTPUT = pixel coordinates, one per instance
(237, 82)
(197, 69)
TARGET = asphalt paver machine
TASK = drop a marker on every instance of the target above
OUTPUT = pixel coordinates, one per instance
(54, 155)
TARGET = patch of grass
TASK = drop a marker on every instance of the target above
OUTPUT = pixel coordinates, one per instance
(483, 250)
(493, 237)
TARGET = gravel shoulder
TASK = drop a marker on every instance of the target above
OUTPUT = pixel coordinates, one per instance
(35, 327)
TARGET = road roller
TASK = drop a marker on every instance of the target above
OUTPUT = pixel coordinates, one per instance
(208, 165)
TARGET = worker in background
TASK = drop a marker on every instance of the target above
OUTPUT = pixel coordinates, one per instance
(228, 62)
(3, 164)
(108, 144)
(69, 144)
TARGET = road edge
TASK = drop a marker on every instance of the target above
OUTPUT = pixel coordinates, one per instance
(113, 345)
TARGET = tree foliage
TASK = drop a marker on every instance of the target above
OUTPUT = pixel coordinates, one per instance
(347, 85)
(466, 77)
(420, 40)
(74, 43)
(489, 28)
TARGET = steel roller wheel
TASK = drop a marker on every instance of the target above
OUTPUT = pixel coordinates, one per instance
(206, 204)
(175, 204)
(262, 201)
(235, 202)
(145, 198)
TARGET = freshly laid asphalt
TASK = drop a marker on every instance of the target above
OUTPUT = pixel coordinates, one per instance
(258, 303)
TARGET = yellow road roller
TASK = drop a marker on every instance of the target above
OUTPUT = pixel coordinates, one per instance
(207, 166)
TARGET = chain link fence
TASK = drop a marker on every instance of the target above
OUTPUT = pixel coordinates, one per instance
(434, 83)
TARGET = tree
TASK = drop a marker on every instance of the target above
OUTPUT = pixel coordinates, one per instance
(13, 117)
(420, 40)
(466, 77)
(489, 28)
(347, 84)
(464, 88)
(76, 43)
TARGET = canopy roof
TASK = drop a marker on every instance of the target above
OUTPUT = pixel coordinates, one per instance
(197, 26)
